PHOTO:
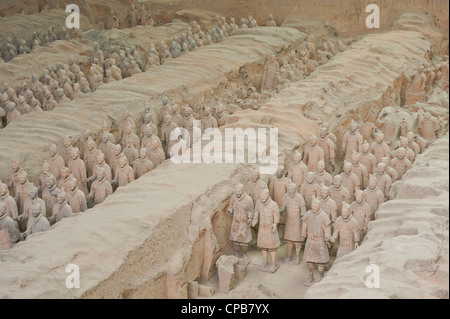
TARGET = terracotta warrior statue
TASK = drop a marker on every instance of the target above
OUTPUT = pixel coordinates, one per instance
(428, 125)
(327, 204)
(400, 163)
(124, 173)
(328, 147)
(294, 207)
(298, 170)
(78, 169)
(8, 200)
(16, 169)
(142, 165)
(133, 16)
(61, 208)
(379, 148)
(254, 186)
(309, 189)
(75, 197)
(352, 142)
(29, 202)
(389, 170)
(90, 156)
(270, 70)
(361, 211)
(321, 176)
(66, 154)
(242, 208)
(316, 231)
(360, 170)
(384, 182)
(313, 154)
(367, 159)
(21, 194)
(346, 232)
(106, 146)
(415, 92)
(10, 226)
(412, 143)
(155, 153)
(37, 221)
(123, 123)
(100, 188)
(409, 153)
(66, 176)
(49, 196)
(374, 197)
(339, 193)
(271, 22)
(267, 214)
(349, 180)
(101, 163)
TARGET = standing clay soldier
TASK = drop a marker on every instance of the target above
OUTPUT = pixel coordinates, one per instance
(400, 163)
(267, 214)
(101, 164)
(166, 129)
(66, 176)
(208, 121)
(130, 138)
(255, 186)
(37, 222)
(242, 208)
(389, 170)
(61, 209)
(321, 176)
(116, 73)
(100, 188)
(106, 146)
(327, 204)
(49, 102)
(346, 232)
(313, 154)
(66, 154)
(149, 137)
(374, 197)
(133, 16)
(352, 142)
(278, 185)
(21, 191)
(271, 22)
(360, 170)
(8, 224)
(293, 205)
(142, 165)
(124, 173)
(415, 92)
(270, 70)
(349, 180)
(412, 144)
(317, 232)
(328, 147)
(90, 156)
(379, 148)
(409, 153)
(50, 194)
(309, 189)
(42, 182)
(384, 182)
(113, 21)
(298, 170)
(361, 211)
(78, 169)
(8, 200)
(75, 197)
(28, 204)
(14, 177)
(124, 123)
(13, 113)
(367, 159)
(156, 154)
(339, 193)
(115, 156)
(142, 16)
(428, 125)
